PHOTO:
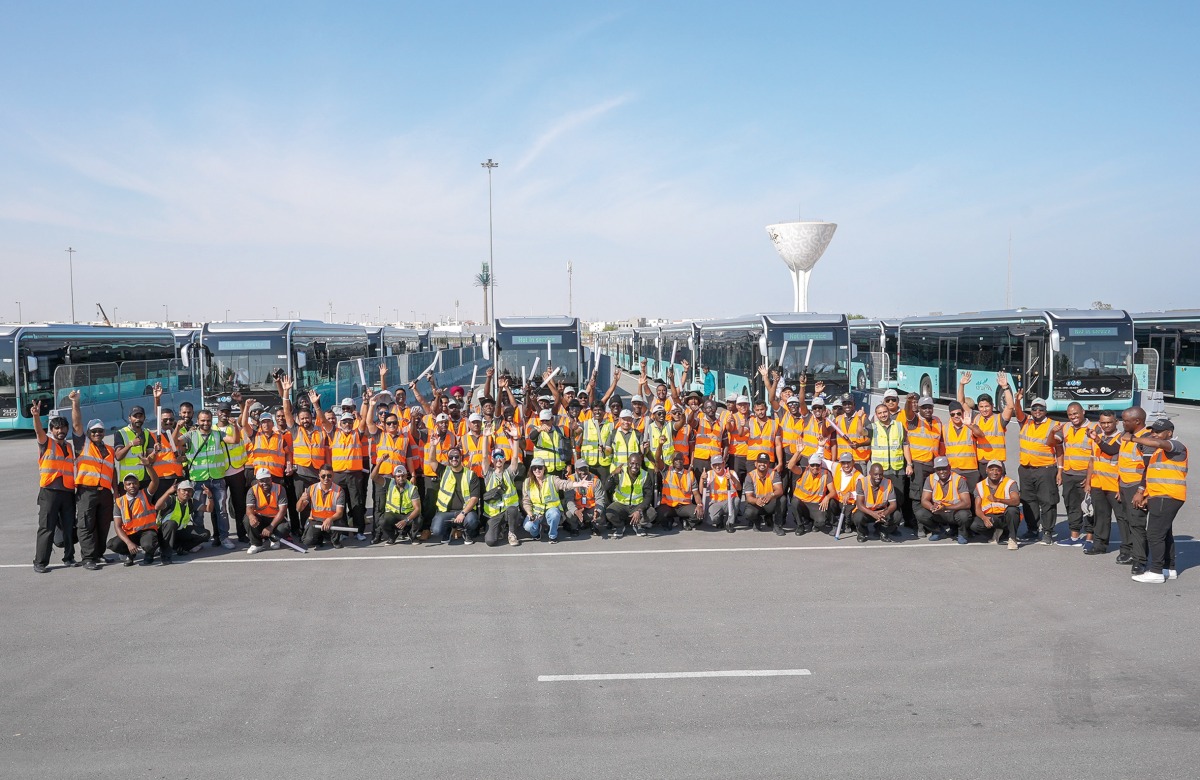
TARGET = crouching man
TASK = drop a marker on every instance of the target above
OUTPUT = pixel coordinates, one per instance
(136, 522)
(175, 520)
(266, 508)
(401, 514)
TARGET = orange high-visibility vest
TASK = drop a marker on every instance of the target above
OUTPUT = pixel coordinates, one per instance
(55, 463)
(268, 500)
(811, 436)
(323, 502)
(435, 454)
(1035, 452)
(946, 492)
(925, 440)
(137, 513)
(792, 428)
(855, 442)
(721, 486)
(678, 487)
(394, 447)
(846, 485)
(475, 452)
(810, 489)
(762, 488)
(1104, 467)
(874, 498)
(1130, 461)
(738, 441)
(761, 439)
(167, 463)
(346, 451)
(683, 443)
(1166, 478)
(708, 440)
(993, 446)
(95, 470)
(988, 498)
(268, 453)
(1077, 449)
(960, 448)
(310, 450)
(585, 498)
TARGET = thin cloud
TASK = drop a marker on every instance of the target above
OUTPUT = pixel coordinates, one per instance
(565, 125)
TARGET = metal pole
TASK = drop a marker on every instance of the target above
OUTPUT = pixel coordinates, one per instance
(491, 250)
(166, 316)
(19, 317)
(570, 289)
(71, 260)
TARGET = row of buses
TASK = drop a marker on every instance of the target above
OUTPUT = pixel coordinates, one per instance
(1096, 357)
(116, 368)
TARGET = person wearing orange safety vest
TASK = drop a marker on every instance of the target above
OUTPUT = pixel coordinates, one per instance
(960, 446)
(923, 432)
(584, 503)
(56, 491)
(325, 504)
(136, 520)
(1162, 493)
(166, 460)
(95, 482)
(710, 436)
(847, 480)
(266, 512)
(720, 487)
(988, 424)
(997, 506)
(945, 503)
(346, 444)
(816, 435)
(762, 495)
(812, 495)
(1103, 485)
(1041, 439)
(1073, 472)
(680, 501)
(310, 446)
(876, 502)
(852, 435)
(739, 435)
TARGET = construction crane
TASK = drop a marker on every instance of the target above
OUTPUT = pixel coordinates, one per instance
(107, 321)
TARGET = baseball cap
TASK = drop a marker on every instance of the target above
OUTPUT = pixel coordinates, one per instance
(625, 413)
(816, 460)
(452, 403)
(818, 401)
(345, 416)
(925, 401)
(136, 410)
(545, 414)
(763, 458)
(1162, 424)
(499, 453)
(475, 417)
(568, 391)
(94, 424)
(1038, 402)
(637, 399)
(545, 397)
(995, 463)
(262, 474)
(891, 393)
(268, 417)
(347, 402)
(717, 460)
(846, 457)
(658, 408)
(793, 400)
(941, 462)
(131, 478)
(743, 399)
(186, 485)
(224, 406)
(399, 468)
(533, 464)
(443, 417)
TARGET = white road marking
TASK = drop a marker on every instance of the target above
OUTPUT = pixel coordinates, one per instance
(674, 675)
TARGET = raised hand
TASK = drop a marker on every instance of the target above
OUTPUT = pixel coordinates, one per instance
(490, 372)
(158, 391)
(74, 396)
(818, 388)
(502, 381)
(286, 383)
(965, 379)
(383, 370)
(1002, 379)
(314, 396)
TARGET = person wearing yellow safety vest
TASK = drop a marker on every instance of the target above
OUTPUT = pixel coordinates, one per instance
(549, 444)
(131, 444)
(762, 495)
(237, 482)
(1162, 493)
(206, 451)
(56, 490)
(542, 500)
(876, 502)
(595, 443)
(500, 500)
(631, 495)
(1073, 472)
(625, 441)
(458, 493)
(266, 512)
(1041, 440)
(175, 522)
(399, 513)
(997, 506)
(945, 503)
(136, 522)
(1102, 484)
(889, 449)
(1131, 476)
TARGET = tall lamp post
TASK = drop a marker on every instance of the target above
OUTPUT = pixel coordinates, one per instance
(19, 317)
(166, 316)
(71, 267)
(491, 253)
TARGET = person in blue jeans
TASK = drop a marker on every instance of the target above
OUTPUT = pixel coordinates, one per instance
(459, 491)
(541, 499)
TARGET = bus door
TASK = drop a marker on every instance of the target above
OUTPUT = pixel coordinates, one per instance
(1167, 346)
(947, 369)
(1036, 369)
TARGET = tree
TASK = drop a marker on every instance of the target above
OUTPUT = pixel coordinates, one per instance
(1101, 305)
(485, 280)
(856, 316)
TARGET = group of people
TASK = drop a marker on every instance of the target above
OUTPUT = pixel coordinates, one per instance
(543, 460)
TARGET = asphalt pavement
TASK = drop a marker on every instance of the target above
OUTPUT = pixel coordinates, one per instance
(926, 660)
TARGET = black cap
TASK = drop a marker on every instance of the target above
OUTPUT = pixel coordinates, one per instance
(224, 406)
(763, 458)
(136, 410)
(1162, 424)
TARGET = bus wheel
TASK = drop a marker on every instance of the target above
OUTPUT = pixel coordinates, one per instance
(926, 386)
(861, 380)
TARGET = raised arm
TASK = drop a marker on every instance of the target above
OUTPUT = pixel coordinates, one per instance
(285, 386)
(76, 414)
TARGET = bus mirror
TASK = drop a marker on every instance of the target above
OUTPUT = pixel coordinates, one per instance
(487, 349)
(1055, 340)
(853, 351)
(692, 344)
(762, 345)
(31, 364)
(184, 357)
(301, 359)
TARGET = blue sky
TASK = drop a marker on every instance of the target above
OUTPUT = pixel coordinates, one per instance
(210, 157)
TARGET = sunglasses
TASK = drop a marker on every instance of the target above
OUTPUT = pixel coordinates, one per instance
(392, 422)
(454, 457)
(326, 476)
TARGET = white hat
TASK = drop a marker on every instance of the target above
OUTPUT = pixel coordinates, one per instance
(891, 393)
(816, 460)
(268, 417)
(475, 417)
(443, 417)
(533, 464)
(545, 397)
(94, 424)
(347, 402)
(1037, 402)
(399, 469)
(818, 401)
(658, 408)
(625, 413)
(793, 399)
(345, 416)
(545, 415)
(637, 399)
(743, 399)
(568, 390)
(262, 474)
(186, 485)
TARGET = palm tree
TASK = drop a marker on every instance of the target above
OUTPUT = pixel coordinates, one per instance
(485, 280)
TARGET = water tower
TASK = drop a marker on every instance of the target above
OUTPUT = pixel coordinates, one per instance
(801, 245)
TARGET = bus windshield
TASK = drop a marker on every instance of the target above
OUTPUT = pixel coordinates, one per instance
(828, 358)
(519, 349)
(246, 362)
(1093, 351)
(8, 377)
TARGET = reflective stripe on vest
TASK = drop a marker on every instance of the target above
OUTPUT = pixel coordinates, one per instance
(762, 439)
(679, 487)
(550, 452)
(661, 434)
(793, 431)
(887, 448)
(310, 450)
(400, 502)
(853, 425)
(762, 488)
(1166, 478)
(875, 498)
(56, 463)
(988, 503)
(180, 514)
(624, 445)
(237, 452)
(846, 485)
(1077, 449)
(708, 440)
(268, 453)
(811, 436)
(323, 503)
(346, 451)
(738, 441)
(494, 479)
(993, 446)
(1104, 467)
(810, 489)
(143, 443)
(435, 454)
(206, 459)
(543, 497)
(137, 514)
(924, 440)
(267, 501)
(1035, 452)
(167, 463)
(630, 491)
(721, 486)
(475, 452)
(960, 448)
(446, 489)
(946, 492)
(683, 444)
(585, 498)
(93, 469)
(1130, 461)
(595, 437)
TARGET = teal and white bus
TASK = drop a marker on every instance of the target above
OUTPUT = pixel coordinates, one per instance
(816, 345)
(678, 342)
(873, 342)
(526, 346)
(1062, 355)
(113, 369)
(1175, 336)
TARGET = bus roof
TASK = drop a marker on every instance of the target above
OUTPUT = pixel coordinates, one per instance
(66, 329)
(1017, 315)
(774, 318)
(880, 323)
(537, 322)
(280, 326)
(1171, 315)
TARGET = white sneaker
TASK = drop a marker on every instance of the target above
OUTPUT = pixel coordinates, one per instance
(361, 537)
(1149, 576)
(228, 545)
(255, 549)
(1171, 574)
(513, 540)
(275, 545)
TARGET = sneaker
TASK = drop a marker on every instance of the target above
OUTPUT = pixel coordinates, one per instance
(1047, 538)
(196, 549)
(1171, 574)
(1087, 546)
(1012, 544)
(91, 565)
(254, 549)
(553, 540)
(1150, 576)
(1070, 542)
(275, 545)
(228, 545)
(513, 541)
(996, 534)
(130, 560)
(468, 539)
(962, 539)
(935, 537)
(41, 568)
(361, 537)
(389, 542)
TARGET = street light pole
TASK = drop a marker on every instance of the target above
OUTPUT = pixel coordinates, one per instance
(166, 316)
(570, 288)
(71, 260)
(19, 317)
(491, 252)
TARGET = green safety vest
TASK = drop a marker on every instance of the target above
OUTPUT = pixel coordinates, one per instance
(887, 446)
(656, 434)
(494, 479)
(624, 445)
(595, 436)
(181, 513)
(237, 452)
(209, 462)
(630, 491)
(551, 453)
(446, 489)
(398, 501)
(129, 464)
(544, 497)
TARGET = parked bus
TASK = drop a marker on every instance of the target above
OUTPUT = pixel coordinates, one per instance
(522, 342)
(623, 347)
(113, 369)
(678, 342)
(816, 345)
(1061, 355)
(388, 341)
(874, 344)
(649, 348)
(248, 356)
(1175, 336)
